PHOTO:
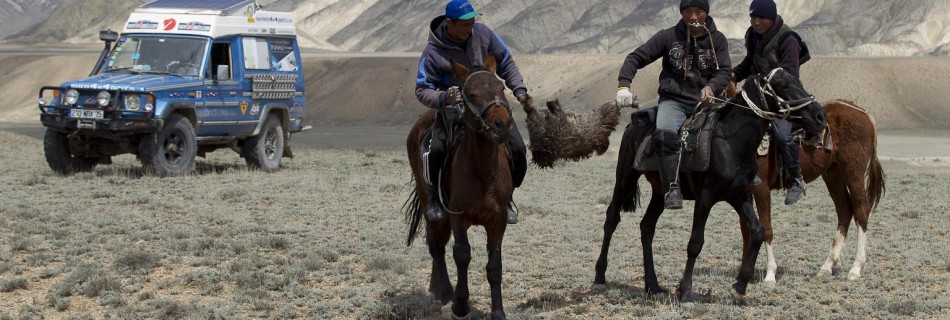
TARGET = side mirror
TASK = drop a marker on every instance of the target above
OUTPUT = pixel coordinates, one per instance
(108, 35)
(224, 73)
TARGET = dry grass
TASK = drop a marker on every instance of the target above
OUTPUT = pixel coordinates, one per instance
(324, 238)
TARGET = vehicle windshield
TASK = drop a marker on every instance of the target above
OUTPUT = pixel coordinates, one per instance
(160, 55)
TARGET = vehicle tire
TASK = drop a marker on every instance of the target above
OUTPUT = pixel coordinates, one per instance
(56, 148)
(171, 151)
(265, 150)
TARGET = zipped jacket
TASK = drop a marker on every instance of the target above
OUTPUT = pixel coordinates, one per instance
(689, 64)
(780, 47)
(435, 71)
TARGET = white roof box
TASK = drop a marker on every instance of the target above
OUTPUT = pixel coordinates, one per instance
(210, 18)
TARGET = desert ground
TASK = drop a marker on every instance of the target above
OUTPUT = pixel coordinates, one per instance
(324, 237)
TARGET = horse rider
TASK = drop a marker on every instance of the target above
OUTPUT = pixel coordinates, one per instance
(696, 68)
(770, 44)
(457, 36)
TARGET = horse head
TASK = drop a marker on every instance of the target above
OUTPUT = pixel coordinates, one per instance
(485, 109)
(784, 95)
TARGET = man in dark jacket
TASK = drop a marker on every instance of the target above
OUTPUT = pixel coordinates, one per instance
(771, 44)
(696, 68)
(457, 36)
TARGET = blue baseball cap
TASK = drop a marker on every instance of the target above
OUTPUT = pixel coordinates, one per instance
(460, 10)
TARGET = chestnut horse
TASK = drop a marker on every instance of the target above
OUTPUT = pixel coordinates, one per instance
(476, 187)
(731, 168)
(851, 156)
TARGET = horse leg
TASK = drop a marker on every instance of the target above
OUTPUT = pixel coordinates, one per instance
(621, 191)
(861, 209)
(695, 246)
(743, 206)
(647, 231)
(462, 252)
(495, 236)
(437, 236)
(763, 205)
(838, 191)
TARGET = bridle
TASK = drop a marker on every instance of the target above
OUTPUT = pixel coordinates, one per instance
(480, 110)
(785, 107)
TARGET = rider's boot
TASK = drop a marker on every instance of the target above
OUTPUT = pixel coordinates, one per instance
(669, 170)
(434, 210)
(794, 185)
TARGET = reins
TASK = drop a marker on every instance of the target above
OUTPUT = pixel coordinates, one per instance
(786, 107)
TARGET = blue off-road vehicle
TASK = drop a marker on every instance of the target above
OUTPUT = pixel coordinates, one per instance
(184, 78)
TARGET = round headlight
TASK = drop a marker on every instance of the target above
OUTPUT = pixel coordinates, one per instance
(133, 102)
(148, 107)
(103, 98)
(71, 96)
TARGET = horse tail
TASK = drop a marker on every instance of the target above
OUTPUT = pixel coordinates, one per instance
(413, 211)
(627, 175)
(875, 174)
(631, 200)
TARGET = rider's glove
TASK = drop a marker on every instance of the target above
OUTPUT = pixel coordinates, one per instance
(452, 97)
(525, 99)
(624, 97)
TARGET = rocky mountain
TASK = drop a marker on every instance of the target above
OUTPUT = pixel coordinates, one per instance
(18, 15)
(830, 27)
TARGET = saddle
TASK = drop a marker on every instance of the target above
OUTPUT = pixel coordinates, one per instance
(695, 148)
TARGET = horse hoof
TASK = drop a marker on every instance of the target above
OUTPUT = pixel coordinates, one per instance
(740, 287)
(598, 287)
(822, 273)
(657, 290)
(684, 296)
(498, 315)
(854, 276)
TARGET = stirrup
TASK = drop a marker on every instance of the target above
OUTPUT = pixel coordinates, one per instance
(795, 191)
(512, 213)
(673, 199)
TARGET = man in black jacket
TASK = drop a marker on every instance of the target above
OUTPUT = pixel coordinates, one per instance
(771, 44)
(696, 68)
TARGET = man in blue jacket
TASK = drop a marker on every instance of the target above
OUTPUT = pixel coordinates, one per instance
(457, 36)
(771, 44)
(696, 68)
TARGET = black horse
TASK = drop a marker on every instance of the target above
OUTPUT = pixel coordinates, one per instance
(732, 167)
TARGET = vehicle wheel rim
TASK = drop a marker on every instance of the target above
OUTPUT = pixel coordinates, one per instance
(172, 148)
(270, 144)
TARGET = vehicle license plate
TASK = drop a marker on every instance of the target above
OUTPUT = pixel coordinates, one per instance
(85, 114)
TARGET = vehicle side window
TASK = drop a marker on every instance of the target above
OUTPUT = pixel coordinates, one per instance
(283, 57)
(220, 56)
(256, 54)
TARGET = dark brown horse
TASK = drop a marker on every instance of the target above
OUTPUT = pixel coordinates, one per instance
(475, 189)
(731, 169)
(851, 158)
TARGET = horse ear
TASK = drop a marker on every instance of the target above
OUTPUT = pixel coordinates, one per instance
(460, 71)
(490, 64)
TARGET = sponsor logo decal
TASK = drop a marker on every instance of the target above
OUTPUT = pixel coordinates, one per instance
(243, 107)
(169, 24)
(249, 13)
(256, 109)
(142, 25)
(194, 26)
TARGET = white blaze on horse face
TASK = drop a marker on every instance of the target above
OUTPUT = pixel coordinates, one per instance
(861, 256)
(835, 254)
(771, 266)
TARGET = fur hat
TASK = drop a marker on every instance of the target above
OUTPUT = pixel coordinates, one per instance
(763, 9)
(702, 4)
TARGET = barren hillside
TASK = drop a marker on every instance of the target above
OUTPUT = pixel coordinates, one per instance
(831, 27)
(898, 92)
